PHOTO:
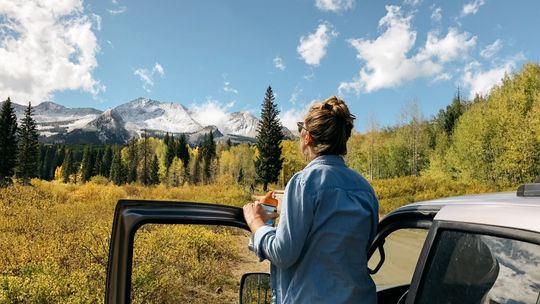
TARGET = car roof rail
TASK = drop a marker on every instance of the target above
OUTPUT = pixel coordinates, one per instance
(529, 190)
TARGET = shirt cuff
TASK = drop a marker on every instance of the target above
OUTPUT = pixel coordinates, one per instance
(258, 238)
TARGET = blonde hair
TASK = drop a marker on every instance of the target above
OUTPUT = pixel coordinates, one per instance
(330, 124)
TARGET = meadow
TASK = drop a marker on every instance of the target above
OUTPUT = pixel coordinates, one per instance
(54, 240)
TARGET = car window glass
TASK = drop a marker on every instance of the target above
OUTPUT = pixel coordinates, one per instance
(473, 268)
(402, 249)
(190, 264)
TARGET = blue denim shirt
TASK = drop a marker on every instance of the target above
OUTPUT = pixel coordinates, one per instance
(318, 251)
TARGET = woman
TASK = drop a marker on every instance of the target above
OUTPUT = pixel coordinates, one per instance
(328, 219)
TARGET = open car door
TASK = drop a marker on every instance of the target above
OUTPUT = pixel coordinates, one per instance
(130, 215)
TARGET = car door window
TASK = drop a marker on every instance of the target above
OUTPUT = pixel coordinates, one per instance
(401, 250)
(474, 268)
(190, 264)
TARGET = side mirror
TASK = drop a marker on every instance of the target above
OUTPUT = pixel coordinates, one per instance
(255, 288)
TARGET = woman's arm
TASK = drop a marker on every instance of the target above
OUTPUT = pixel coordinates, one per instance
(282, 246)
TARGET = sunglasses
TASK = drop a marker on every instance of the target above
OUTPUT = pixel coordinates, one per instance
(300, 125)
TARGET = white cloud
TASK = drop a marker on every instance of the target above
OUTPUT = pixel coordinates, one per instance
(480, 82)
(412, 2)
(294, 96)
(387, 60)
(290, 117)
(147, 76)
(228, 88)
(436, 15)
(97, 20)
(211, 112)
(442, 77)
(472, 7)
(118, 11)
(492, 49)
(46, 48)
(313, 47)
(159, 69)
(278, 63)
(336, 6)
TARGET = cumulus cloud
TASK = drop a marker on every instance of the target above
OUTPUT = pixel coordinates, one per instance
(147, 76)
(313, 47)
(480, 81)
(117, 11)
(387, 62)
(211, 112)
(472, 7)
(290, 117)
(278, 63)
(46, 49)
(97, 20)
(442, 77)
(492, 49)
(336, 6)
(436, 15)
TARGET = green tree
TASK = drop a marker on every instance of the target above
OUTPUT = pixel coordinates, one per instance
(208, 150)
(117, 175)
(182, 150)
(268, 163)
(68, 166)
(154, 171)
(28, 151)
(170, 153)
(8, 141)
(87, 164)
(105, 168)
(132, 161)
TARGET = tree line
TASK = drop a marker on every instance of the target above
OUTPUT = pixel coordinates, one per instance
(493, 138)
(147, 160)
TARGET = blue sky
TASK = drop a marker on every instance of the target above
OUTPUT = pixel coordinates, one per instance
(214, 56)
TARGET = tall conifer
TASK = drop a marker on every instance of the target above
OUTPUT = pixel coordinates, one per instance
(28, 153)
(8, 141)
(269, 136)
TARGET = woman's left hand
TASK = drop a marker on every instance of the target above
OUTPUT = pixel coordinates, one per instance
(256, 216)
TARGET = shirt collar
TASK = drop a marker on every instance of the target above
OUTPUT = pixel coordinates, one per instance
(327, 160)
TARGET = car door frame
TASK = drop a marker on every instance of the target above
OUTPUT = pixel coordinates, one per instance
(130, 215)
(407, 217)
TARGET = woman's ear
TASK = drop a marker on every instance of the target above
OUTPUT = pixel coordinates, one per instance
(308, 139)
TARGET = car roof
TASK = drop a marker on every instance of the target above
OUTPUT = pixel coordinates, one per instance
(504, 209)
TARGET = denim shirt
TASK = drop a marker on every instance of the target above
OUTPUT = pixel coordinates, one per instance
(318, 251)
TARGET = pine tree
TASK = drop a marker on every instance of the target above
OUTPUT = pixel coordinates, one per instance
(105, 168)
(8, 142)
(166, 139)
(208, 155)
(28, 152)
(133, 161)
(97, 162)
(145, 159)
(68, 167)
(117, 175)
(86, 164)
(171, 153)
(269, 162)
(154, 171)
(182, 150)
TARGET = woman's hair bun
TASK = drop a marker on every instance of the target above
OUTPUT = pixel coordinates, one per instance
(339, 109)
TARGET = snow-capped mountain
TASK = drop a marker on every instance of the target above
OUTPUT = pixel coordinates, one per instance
(147, 114)
(59, 124)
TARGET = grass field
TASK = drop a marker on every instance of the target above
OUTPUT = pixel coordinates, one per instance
(54, 241)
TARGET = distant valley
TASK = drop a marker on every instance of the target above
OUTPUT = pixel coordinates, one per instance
(59, 124)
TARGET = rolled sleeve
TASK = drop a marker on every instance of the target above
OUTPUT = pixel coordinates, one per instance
(259, 238)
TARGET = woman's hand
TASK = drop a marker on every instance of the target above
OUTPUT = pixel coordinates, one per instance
(256, 216)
